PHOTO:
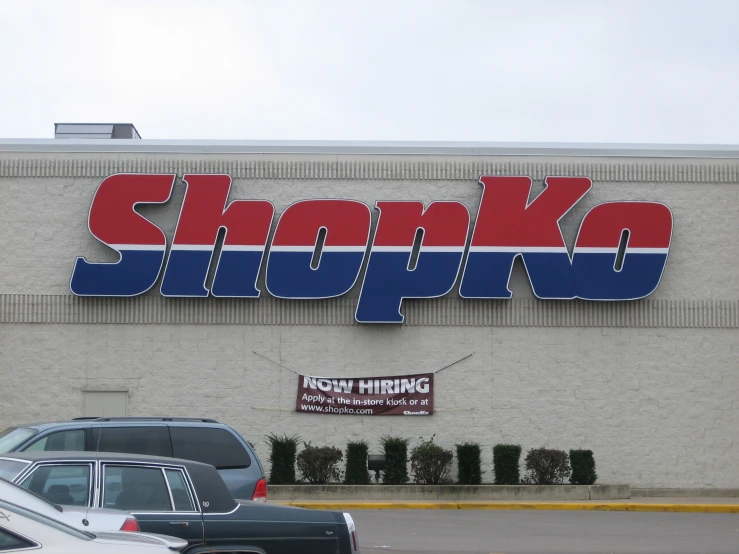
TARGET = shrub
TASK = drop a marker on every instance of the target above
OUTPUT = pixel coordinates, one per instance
(282, 458)
(396, 460)
(468, 464)
(430, 463)
(317, 464)
(583, 467)
(356, 463)
(505, 464)
(546, 467)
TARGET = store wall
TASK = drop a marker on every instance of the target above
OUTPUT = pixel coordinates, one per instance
(650, 386)
(658, 407)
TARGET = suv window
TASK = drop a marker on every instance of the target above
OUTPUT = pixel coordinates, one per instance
(67, 484)
(65, 441)
(135, 488)
(209, 445)
(152, 441)
(12, 437)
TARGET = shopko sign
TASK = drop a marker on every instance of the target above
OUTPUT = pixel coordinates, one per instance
(320, 246)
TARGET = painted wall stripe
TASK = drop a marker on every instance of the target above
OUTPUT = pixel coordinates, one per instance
(247, 167)
(523, 312)
(152, 247)
(312, 248)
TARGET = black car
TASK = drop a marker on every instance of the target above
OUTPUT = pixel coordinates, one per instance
(181, 498)
(200, 440)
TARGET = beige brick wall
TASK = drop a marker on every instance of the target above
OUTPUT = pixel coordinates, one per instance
(658, 405)
(659, 408)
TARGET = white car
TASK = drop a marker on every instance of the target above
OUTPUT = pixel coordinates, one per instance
(22, 529)
(78, 517)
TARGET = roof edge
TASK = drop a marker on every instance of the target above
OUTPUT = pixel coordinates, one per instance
(154, 146)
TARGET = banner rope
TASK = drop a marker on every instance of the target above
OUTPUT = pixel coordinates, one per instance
(299, 374)
(274, 362)
(453, 363)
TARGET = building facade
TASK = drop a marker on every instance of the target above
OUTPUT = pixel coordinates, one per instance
(650, 384)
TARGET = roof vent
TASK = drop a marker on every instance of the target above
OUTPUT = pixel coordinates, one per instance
(95, 131)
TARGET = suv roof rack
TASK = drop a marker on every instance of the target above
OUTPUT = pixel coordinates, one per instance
(200, 419)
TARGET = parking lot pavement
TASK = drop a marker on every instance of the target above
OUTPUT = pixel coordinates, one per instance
(540, 532)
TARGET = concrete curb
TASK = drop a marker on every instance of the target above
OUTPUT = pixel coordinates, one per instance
(570, 506)
(655, 492)
(448, 493)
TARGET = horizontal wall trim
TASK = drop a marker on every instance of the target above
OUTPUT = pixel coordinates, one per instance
(526, 312)
(383, 169)
(371, 147)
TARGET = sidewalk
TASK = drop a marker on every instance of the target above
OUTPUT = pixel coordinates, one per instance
(725, 505)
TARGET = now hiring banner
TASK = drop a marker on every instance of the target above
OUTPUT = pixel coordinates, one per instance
(410, 395)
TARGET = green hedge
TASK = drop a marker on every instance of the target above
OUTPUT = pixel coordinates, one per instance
(317, 464)
(543, 466)
(583, 467)
(430, 463)
(282, 457)
(396, 460)
(356, 463)
(546, 466)
(506, 464)
(469, 470)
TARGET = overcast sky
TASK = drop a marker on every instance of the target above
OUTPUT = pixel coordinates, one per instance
(517, 70)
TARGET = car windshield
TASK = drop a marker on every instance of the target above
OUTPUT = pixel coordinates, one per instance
(10, 469)
(12, 437)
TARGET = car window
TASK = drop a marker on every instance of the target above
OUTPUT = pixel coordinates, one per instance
(152, 441)
(30, 498)
(135, 488)
(12, 437)
(9, 541)
(209, 445)
(10, 469)
(180, 496)
(67, 484)
(63, 441)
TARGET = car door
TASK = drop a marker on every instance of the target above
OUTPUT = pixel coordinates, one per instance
(275, 529)
(159, 497)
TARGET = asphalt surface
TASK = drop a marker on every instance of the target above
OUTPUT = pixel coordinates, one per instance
(544, 532)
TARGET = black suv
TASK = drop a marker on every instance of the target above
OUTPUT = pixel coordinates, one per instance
(199, 440)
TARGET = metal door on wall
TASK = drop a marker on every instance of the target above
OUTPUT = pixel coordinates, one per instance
(104, 403)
